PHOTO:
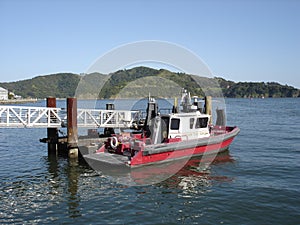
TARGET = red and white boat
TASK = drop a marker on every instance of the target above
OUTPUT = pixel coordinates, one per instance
(165, 138)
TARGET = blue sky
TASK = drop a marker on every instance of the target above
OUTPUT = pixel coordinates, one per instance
(244, 40)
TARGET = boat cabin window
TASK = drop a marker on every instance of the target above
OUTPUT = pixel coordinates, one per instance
(192, 120)
(175, 124)
(201, 122)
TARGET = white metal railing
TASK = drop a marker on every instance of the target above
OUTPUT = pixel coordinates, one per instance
(18, 116)
(35, 117)
(106, 118)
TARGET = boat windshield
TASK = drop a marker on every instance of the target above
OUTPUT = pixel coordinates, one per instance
(201, 122)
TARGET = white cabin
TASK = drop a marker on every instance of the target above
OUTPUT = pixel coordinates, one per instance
(187, 126)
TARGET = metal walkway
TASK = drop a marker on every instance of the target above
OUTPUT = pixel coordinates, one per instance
(44, 117)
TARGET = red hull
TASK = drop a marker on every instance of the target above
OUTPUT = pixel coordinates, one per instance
(141, 159)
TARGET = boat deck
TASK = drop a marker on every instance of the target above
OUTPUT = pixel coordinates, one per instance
(110, 158)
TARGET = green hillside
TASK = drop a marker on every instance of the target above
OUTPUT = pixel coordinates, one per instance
(257, 89)
(58, 85)
(139, 81)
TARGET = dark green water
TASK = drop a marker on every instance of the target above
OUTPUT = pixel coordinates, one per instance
(256, 182)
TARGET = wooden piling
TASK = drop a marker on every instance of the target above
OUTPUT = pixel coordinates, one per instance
(72, 127)
(221, 117)
(52, 134)
(208, 107)
(175, 106)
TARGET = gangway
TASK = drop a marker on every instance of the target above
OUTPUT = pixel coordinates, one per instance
(45, 117)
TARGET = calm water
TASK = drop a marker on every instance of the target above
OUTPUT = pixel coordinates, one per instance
(257, 182)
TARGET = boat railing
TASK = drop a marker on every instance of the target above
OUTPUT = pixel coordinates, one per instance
(217, 130)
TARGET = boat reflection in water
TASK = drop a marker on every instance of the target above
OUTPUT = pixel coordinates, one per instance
(75, 179)
(193, 174)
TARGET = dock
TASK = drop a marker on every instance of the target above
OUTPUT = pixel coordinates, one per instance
(72, 118)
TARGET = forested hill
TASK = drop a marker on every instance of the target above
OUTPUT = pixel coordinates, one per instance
(257, 89)
(64, 85)
(58, 85)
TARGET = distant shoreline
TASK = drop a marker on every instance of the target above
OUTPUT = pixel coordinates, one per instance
(15, 101)
(125, 83)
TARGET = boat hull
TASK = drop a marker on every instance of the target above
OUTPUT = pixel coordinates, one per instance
(167, 152)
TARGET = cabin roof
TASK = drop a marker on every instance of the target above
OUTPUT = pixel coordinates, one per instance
(191, 114)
